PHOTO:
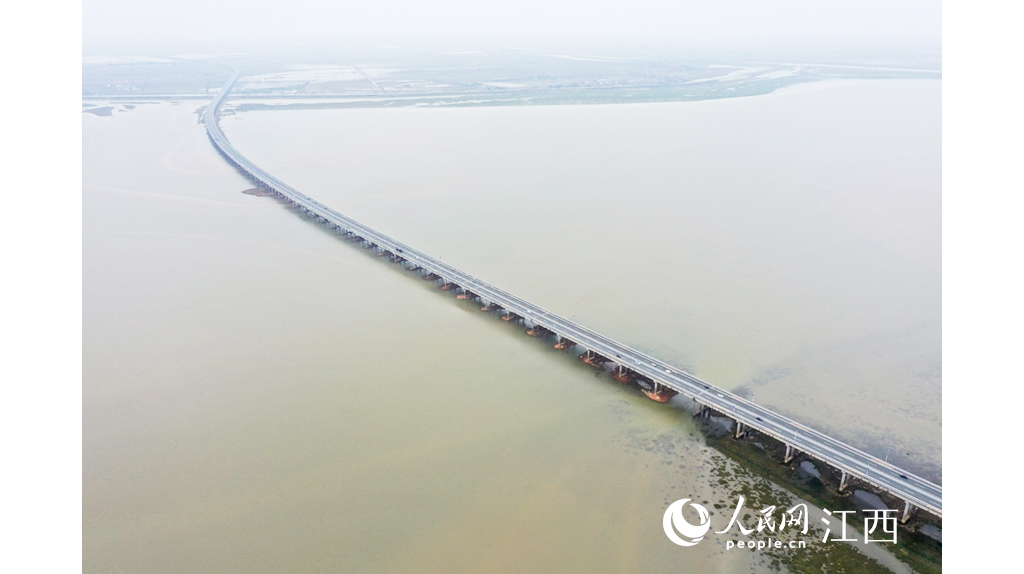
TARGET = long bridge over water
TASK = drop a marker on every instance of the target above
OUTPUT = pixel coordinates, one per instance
(659, 377)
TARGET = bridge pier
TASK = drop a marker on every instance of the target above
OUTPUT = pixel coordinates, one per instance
(511, 317)
(843, 480)
(466, 296)
(739, 429)
(790, 453)
(563, 344)
(446, 286)
(537, 331)
(659, 393)
(698, 409)
(593, 359)
(621, 374)
(908, 509)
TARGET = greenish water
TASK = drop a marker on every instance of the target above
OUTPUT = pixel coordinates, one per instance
(260, 396)
(788, 245)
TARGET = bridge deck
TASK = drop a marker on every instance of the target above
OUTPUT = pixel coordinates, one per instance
(890, 478)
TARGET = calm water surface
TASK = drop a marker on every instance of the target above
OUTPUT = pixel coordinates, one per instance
(261, 396)
(786, 245)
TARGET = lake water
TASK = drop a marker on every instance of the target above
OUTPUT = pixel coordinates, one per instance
(259, 395)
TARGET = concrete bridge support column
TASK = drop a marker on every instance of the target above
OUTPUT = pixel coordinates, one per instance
(536, 330)
(739, 429)
(842, 481)
(621, 374)
(908, 510)
(790, 453)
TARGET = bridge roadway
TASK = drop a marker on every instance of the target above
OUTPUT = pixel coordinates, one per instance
(912, 489)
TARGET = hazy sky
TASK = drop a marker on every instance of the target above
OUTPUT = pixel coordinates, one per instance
(122, 21)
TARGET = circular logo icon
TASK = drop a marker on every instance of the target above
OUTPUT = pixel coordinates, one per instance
(679, 530)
